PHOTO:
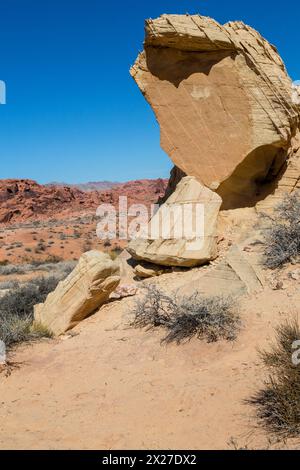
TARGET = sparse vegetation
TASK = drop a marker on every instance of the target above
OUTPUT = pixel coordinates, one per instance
(16, 306)
(14, 329)
(49, 265)
(8, 285)
(282, 239)
(16, 310)
(278, 402)
(209, 318)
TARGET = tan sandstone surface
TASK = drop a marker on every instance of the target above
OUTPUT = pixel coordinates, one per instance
(109, 386)
(85, 289)
(223, 99)
(179, 234)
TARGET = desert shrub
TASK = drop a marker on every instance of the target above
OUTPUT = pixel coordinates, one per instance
(184, 317)
(14, 329)
(52, 265)
(278, 402)
(7, 269)
(16, 310)
(40, 247)
(16, 307)
(9, 285)
(21, 300)
(18, 245)
(52, 259)
(282, 236)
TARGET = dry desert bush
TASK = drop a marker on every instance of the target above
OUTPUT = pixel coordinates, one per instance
(282, 236)
(210, 318)
(278, 402)
(16, 306)
(50, 266)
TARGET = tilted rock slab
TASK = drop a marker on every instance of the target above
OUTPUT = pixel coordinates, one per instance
(225, 104)
(236, 275)
(177, 247)
(86, 288)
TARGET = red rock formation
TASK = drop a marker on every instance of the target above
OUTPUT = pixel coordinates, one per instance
(22, 200)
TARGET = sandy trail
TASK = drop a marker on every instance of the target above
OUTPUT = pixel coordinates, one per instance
(111, 387)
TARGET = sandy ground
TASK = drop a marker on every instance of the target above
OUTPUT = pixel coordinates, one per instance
(66, 240)
(113, 387)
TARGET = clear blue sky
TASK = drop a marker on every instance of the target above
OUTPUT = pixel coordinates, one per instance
(73, 113)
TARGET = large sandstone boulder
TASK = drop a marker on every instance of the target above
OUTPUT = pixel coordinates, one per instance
(168, 242)
(225, 104)
(80, 294)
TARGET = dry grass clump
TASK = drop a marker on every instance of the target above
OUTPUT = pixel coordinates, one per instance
(278, 402)
(11, 284)
(16, 310)
(282, 237)
(16, 306)
(210, 318)
(60, 267)
(14, 329)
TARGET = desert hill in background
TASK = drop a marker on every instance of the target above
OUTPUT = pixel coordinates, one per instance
(89, 186)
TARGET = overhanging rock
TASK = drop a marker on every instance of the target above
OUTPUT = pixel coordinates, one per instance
(223, 100)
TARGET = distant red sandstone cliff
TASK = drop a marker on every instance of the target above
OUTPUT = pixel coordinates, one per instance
(22, 200)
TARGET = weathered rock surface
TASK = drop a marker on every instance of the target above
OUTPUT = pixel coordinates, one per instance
(150, 270)
(174, 219)
(123, 290)
(127, 286)
(80, 294)
(223, 99)
(287, 181)
(238, 274)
